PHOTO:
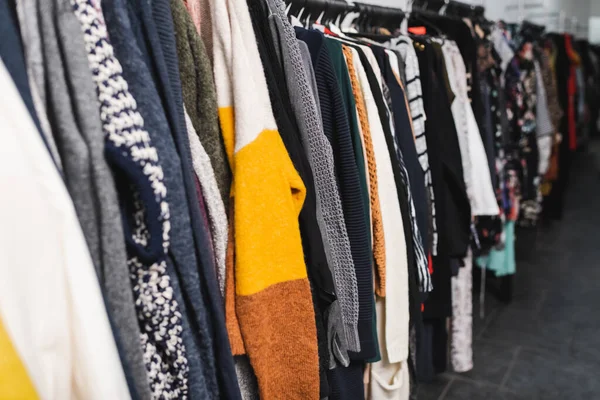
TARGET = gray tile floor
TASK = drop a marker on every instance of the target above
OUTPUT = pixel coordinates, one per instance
(546, 344)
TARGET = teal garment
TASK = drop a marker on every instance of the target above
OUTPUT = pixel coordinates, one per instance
(502, 262)
(340, 68)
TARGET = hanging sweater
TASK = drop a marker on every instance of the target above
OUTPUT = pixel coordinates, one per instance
(414, 94)
(337, 131)
(162, 36)
(365, 129)
(72, 103)
(319, 274)
(199, 94)
(272, 295)
(147, 238)
(200, 101)
(397, 297)
(330, 214)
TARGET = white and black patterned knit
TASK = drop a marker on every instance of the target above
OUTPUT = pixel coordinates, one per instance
(425, 284)
(414, 94)
(146, 211)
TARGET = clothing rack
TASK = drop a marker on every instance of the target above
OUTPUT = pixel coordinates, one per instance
(329, 10)
(452, 7)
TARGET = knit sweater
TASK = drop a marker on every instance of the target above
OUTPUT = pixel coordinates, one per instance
(319, 274)
(337, 131)
(162, 36)
(147, 239)
(199, 94)
(272, 294)
(414, 95)
(379, 255)
(76, 123)
(396, 298)
(143, 61)
(320, 156)
(200, 99)
(215, 207)
(365, 279)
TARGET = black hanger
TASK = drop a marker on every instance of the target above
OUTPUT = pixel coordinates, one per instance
(335, 9)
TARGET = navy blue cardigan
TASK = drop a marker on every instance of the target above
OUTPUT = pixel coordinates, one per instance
(158, 22)
(139, 71)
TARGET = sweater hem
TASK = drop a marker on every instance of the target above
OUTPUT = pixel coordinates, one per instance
(352, 337)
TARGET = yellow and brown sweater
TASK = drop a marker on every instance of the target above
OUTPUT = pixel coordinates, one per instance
(269, 308)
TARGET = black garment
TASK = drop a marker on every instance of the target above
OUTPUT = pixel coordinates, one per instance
(347, 383)
(406, 141)
(487, 134)
(453, 211)
(337, 130)
(312, 242)
(432, 350)
(456, 29)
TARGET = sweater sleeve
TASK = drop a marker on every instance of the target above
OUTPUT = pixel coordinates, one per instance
(273, 302)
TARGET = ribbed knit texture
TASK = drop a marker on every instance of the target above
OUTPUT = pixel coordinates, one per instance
(130, 150)
(378, 236)
(337, 131)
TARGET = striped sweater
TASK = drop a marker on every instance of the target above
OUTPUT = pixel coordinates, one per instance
(414, 94)
(272, 298)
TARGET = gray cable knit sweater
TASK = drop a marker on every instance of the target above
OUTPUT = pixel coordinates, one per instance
(330, 215)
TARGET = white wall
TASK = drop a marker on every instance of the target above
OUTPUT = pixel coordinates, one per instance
(574, 11)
